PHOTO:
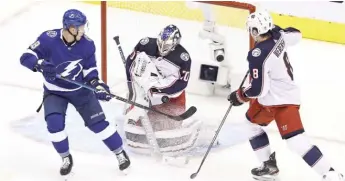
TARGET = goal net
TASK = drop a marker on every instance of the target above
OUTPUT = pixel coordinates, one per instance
(132, 21)
(206, 27)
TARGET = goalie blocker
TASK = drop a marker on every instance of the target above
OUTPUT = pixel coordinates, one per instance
(158, 69)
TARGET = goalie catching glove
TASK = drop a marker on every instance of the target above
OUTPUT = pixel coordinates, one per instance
(102, 90)
(238, 97)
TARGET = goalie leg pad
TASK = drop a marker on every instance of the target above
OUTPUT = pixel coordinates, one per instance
(140, 97)
(175, 106)
(171, 142)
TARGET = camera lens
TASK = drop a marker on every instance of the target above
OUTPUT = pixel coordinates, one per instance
(220, 58)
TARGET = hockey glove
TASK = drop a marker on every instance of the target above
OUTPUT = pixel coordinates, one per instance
(48, 69)
(102, 90)
(144, 72)
(237, 97)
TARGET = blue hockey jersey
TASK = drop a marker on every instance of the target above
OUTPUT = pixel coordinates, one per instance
(76, 62)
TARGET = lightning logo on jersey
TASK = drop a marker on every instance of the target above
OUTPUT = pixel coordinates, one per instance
(73, 68)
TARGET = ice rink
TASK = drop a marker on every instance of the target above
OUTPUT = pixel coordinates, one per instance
(26, 156)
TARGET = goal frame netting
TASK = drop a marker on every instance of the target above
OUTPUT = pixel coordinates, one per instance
(104, 39)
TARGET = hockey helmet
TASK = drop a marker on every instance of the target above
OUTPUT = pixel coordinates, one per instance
(259, 23)
(73, 17)
(168, 39)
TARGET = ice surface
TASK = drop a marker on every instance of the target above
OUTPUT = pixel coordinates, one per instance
(26, 156)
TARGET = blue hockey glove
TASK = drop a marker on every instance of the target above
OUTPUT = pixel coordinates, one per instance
(48, 69)
(103, 91)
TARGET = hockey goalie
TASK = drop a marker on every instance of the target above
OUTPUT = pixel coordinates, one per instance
(158, 72)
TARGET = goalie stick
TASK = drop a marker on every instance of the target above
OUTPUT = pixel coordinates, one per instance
(150, 134)
(217, 132)
(164, 99)
(180, 117)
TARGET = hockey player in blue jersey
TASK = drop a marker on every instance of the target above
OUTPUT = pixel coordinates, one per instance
(70, 53)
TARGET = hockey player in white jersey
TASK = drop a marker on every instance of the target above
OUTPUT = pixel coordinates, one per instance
(274, 95)
(158, 73)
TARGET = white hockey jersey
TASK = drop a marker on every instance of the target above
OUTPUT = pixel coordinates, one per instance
(272, 79)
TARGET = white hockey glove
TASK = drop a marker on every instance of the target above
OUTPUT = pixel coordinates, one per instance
(144, 72)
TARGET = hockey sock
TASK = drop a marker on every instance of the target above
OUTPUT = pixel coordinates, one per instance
(58, 137)
(314, 158)
(261, 146)
(108, 134)
(311, 154)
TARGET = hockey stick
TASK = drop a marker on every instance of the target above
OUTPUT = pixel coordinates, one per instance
(150, 134)
(180, 117)
(123, 58)
(117, 41)
(164, 99)
(217, 132)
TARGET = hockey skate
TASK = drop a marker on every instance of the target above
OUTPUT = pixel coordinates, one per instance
(66, 168)
(268, 171)
(124, 161)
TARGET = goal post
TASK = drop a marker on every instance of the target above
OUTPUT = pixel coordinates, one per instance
(149, 17)
(104, 39)
(234, 4)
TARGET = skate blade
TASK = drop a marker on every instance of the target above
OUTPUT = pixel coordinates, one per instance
(67, 177)
(125, 171)
(266, 178)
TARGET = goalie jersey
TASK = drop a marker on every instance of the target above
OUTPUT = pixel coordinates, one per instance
(174, 67)
(76, 61)
(272, 79)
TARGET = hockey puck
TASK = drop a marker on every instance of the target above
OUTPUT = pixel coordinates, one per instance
(165, 99)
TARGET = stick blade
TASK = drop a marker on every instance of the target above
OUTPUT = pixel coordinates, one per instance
(193, 175)
(186, 114)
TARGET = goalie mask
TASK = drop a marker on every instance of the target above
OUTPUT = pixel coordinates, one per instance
(168, 39)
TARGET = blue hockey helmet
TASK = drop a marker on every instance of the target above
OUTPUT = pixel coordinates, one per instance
(168, 39)
(73, 17)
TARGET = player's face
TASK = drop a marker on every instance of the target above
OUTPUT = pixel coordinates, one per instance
(251, 25)
(254, 33)
(80, 32)
(164, 47)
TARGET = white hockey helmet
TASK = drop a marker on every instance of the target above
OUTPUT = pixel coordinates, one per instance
(259, 23)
